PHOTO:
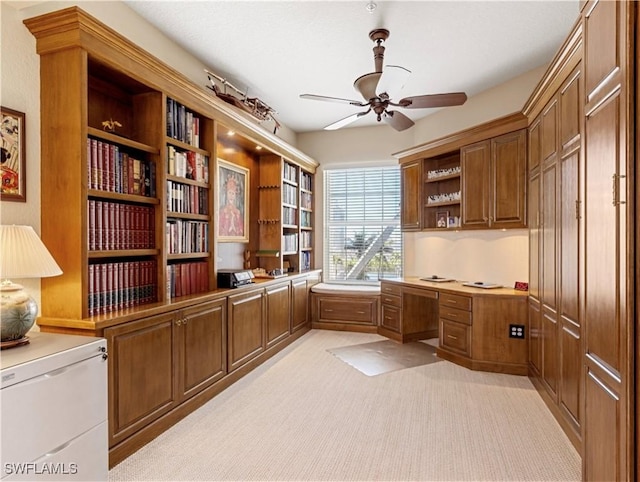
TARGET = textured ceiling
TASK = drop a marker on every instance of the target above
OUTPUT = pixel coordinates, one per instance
(277, 50)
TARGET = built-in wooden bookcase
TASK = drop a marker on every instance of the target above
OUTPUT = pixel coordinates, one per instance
(188, 200)
(130, 150)
(442, 191)
(285, 216)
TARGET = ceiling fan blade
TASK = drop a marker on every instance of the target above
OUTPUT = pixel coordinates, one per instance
(434, 100)
(397, 120)
(332, 99)
(346, 121)
(392, 80)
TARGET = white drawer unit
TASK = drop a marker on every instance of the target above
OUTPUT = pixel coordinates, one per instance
(54, 409)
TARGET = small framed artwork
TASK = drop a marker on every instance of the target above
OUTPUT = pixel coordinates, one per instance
(13, 162)
(442, 219)
(233, 202)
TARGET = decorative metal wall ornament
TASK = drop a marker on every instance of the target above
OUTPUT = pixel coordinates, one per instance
(252, 105)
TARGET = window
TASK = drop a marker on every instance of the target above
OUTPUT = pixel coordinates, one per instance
(363, 241)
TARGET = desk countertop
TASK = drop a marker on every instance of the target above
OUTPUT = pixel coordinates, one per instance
(456, 287)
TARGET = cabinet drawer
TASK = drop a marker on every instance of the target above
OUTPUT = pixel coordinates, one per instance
(390, 289)
(390, 300)
(455, 336)
(454, 314)
(347, 310)
(391, 317)
(455, 301)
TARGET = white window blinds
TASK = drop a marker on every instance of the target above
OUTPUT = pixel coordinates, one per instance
(363, 241)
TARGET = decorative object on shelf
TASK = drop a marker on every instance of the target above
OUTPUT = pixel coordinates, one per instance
(251, 105)
(247, 259)
(22, 255)
(13, 162)
(110, 125)
(521, 286)
(453, 222)
(442, 219)
(233, 197)
(444, 197)
(438, 173)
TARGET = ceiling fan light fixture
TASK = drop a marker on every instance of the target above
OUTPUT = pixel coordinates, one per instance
(366, 85)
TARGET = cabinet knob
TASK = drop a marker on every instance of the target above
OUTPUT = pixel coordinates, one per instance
(178, 322)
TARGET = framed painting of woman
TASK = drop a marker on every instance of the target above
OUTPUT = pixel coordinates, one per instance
(233, 202)
(13, 160)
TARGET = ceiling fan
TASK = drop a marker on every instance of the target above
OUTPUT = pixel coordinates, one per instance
(377, 88)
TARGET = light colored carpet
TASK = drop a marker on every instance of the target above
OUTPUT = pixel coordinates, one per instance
(306, 415)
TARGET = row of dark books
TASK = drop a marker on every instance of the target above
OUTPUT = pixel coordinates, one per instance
(120, 285)
(289, 216)
(185, 236)
(117, 226)
(289, 194)
(182, 124)
(306, 200)
(114, 170)
(305, 261)
(187, 164)
(187, 199)
(187, 279)
(290, 243)
(305, 181)
(306, 239)
(305, 219)
(290, 172)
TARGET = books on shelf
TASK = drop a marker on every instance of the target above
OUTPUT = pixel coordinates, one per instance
(119, 226)
(117, 285)
(112, 169)
(186, 199)
(289, 172)
(185, 236)
(187, 278)
(182, 124)
(305, 181)
(290, 242)
(187, 164)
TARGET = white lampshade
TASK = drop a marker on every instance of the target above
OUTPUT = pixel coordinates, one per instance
(23, 254)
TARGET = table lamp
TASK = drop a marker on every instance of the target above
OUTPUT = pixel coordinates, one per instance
(22, 255)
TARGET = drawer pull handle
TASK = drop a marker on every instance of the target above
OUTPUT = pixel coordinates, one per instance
(360, 312)
(387, 300)
(452, 337)
(328, 311)
(453, 302)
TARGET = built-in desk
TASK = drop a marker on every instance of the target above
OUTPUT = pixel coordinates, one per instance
(475, 326)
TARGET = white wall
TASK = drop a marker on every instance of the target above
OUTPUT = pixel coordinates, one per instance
(482, 255)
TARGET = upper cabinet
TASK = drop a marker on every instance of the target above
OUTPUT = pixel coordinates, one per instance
(141, 173)
(494, 181)
(473, 179)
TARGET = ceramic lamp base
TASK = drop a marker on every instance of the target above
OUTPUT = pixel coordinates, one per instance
(18, 312)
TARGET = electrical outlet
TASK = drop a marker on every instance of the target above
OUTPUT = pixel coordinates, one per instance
(516, 331)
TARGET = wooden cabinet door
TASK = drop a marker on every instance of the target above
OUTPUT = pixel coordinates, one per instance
(609, 222)
(143, 381)
(245, 327)
(202, 341)
(278, 312)
(569, 250)
(475, 163)
(411, 182)
(299, 303)
(508, 180)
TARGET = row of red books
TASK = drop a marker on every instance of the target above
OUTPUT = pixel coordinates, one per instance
(116, 226)
(187, 236)
(184, 198)
(113, 170)
(115, 286)
(187, 279)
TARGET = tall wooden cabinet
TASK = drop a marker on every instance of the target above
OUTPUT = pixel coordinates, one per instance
(610, 220)
(582, 219)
